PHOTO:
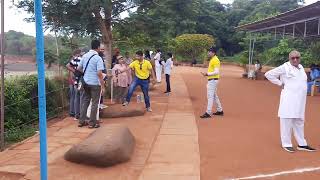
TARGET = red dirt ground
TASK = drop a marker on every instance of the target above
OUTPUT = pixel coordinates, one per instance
(246, 142)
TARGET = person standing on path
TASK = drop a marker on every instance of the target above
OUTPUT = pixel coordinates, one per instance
(168, 64)
(120, 80)
(213, 75)
(92, 67)
(143, 71)
(293, 82)
(157, 65)
(74, 93)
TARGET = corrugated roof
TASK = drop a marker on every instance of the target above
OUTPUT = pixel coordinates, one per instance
(299, 15)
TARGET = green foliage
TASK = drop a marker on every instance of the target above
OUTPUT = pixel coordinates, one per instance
(64, 57)
(192, 46)
(154, 23)
(17, 43)
(242, 58)
(221, 53)
(16, 135)
(279, 54)
(85, 17)
(315, 51)
(50, 57)
(21, 104)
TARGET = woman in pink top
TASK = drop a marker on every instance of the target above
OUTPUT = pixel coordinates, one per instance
(120, 80)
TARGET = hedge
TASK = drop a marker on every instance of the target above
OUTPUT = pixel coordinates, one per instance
(21, 104)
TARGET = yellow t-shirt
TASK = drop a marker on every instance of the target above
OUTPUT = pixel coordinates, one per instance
(142, 70)
(214, 63)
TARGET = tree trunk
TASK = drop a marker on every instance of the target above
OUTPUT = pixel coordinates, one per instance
(105, 28)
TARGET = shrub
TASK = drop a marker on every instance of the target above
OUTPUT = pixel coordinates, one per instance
(21, 104)
(192, 46)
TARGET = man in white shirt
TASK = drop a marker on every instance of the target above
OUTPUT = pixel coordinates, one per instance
(293, 81)
(158, 66)
(168, 64)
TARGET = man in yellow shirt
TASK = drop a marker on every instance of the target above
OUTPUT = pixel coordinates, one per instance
(213, 76)
(143, 71)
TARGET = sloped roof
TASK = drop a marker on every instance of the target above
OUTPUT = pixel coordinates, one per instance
(309, 14)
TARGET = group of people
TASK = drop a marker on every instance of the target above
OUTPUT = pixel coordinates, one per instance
(87, 83)
(292, 79)
(88, 73)
(128, 74)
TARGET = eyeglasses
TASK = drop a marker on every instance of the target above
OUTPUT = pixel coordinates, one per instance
(295, 57)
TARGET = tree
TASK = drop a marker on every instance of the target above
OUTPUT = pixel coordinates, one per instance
(50, 57)
(94, 17)
(17, 43)
(192, 46)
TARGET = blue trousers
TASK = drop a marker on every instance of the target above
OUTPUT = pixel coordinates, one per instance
(310, 85)
(144, 84)
(72, 92)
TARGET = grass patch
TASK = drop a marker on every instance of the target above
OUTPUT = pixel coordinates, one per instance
(19, 134)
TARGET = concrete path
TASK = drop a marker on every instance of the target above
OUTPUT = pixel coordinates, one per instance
(167, 145)
(175, 154)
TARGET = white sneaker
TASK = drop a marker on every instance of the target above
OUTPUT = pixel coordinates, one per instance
(125, 103)
(149, 109)
(102, 106)
(306, 148)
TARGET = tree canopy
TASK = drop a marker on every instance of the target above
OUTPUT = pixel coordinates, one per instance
(150, 24)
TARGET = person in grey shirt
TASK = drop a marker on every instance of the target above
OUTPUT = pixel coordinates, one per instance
(92, 66)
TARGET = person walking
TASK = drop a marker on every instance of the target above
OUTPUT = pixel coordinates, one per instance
(293, 82)
(143, 70)
(158, 67)
(168, 64)
(213, 76)
(93, 84)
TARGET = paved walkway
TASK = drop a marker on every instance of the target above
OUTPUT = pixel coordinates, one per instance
(175, 154)
(167, 145)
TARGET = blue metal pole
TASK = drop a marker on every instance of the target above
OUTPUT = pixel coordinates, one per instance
(41, 89)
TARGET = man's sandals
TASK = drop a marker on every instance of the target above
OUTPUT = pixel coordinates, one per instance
(97, 125)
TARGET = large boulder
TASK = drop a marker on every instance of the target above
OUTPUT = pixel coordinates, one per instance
(117, 110)
(107, 146)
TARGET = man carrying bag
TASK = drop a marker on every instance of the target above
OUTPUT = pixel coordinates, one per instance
(92, 83)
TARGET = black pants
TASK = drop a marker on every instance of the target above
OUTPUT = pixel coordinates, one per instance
(168, 83)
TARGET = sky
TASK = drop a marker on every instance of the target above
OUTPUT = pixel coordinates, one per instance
(14, 19)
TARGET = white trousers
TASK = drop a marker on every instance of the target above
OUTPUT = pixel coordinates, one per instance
(158, 73)
(286, 127)
(213, 96)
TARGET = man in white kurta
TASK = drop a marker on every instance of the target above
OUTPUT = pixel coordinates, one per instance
(292, 78)
(157, 65)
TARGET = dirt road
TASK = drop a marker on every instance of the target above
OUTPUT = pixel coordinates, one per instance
(246, 142)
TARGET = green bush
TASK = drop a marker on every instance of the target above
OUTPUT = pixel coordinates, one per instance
(21, 104)
(276, 52)
(192, 46)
